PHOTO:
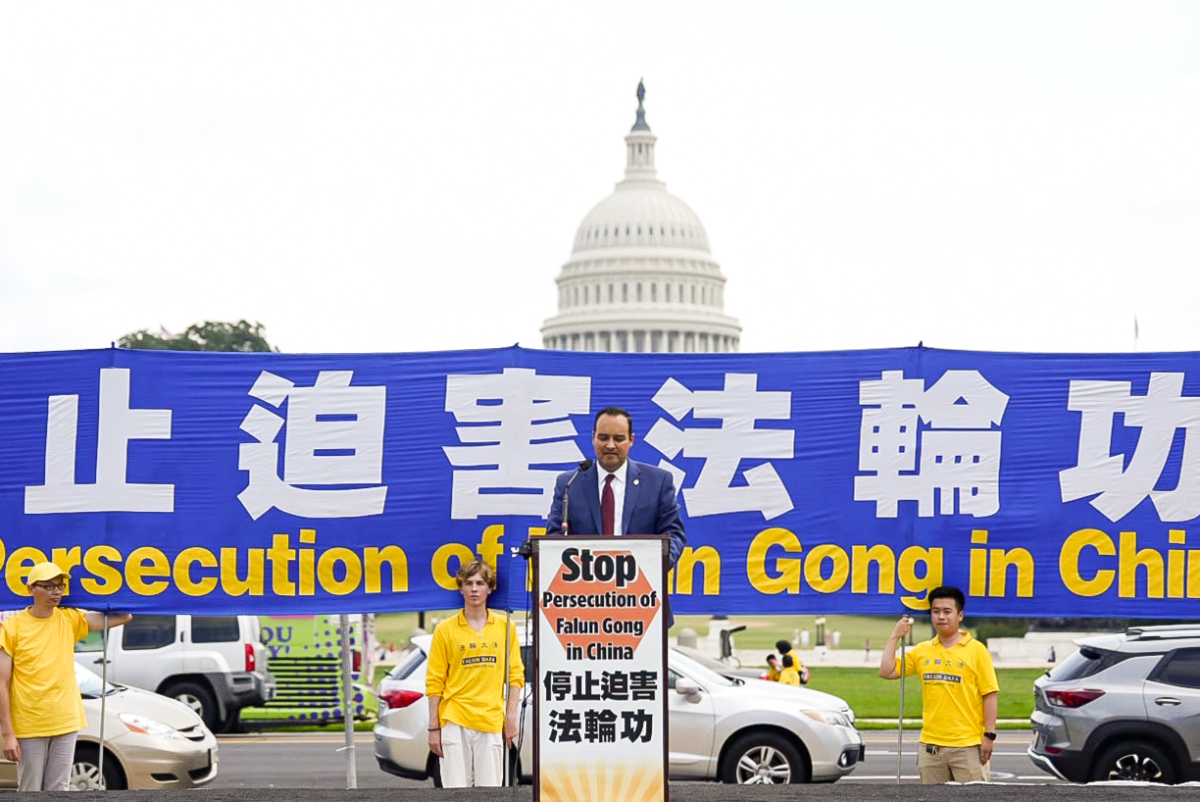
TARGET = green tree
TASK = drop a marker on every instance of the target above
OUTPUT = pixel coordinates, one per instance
(207, 336)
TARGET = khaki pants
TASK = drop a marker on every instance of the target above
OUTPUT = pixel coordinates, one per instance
(943, 764)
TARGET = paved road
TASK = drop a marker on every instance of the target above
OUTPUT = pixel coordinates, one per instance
(315, 760)
(300, 760)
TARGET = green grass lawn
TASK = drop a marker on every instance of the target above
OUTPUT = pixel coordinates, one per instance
(872, 697)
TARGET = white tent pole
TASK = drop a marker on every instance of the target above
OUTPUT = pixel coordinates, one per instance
(347, 696)
(103, 695)
(900, 721)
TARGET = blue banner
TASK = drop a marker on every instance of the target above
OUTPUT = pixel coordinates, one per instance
(833, 482)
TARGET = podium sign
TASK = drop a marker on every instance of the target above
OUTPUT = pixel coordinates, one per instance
(600, 655)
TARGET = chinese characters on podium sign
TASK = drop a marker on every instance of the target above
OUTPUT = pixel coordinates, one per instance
(601, 670)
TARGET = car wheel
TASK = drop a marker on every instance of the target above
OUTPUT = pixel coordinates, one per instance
(1130, 760)
(199, 699)
(85, 771)
(763, 758)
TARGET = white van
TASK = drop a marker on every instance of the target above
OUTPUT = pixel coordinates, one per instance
(215, 664)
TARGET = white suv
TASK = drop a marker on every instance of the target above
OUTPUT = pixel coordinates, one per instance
(215, 664)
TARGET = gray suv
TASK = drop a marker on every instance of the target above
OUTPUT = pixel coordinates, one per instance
(1123, 707)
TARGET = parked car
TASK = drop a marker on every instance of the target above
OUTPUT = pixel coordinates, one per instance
(733, 730)
(215, 664)
(1123, 707)
(150, 742)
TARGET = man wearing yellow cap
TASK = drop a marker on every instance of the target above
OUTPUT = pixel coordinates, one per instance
(41, 711)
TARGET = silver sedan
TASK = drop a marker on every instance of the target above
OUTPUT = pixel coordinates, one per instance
(729, 729)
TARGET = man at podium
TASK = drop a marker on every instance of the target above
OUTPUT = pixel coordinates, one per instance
(616, 495)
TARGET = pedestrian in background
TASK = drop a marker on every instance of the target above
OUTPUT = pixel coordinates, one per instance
(789, 675)
(786, 650)
(41, 711)
(772, 668)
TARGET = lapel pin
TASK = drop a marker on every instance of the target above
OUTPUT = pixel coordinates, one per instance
(635, 481)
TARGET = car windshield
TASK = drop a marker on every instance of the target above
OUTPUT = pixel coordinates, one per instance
(698, 671)
(90, 684)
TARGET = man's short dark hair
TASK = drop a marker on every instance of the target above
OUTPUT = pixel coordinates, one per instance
(614, 412)
(948, 592)
(788, 662)
(782, 646)
(771, 657)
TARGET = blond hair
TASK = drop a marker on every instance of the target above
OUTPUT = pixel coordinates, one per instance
(476, 567)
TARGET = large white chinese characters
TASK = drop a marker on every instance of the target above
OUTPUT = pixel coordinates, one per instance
(118, 424)
(959, 451)
(738, 406)
(334, 445)
(512, 421)
(1158, 414)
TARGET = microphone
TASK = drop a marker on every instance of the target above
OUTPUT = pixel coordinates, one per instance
(526, 549)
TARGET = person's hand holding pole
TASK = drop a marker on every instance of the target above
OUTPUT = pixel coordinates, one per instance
(887, 660)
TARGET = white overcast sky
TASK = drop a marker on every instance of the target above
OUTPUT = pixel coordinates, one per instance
(402, 176)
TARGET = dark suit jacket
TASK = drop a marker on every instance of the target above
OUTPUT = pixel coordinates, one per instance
(650, 507)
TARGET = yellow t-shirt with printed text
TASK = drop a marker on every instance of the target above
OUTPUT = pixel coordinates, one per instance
(953, 684)
(44, 698)
(466, 669)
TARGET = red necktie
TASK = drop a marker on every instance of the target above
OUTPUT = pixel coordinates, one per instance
(608, 506)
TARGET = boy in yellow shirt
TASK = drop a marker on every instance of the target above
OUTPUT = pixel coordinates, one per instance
(468, 723)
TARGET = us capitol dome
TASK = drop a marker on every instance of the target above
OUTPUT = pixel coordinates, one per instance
(641, 276)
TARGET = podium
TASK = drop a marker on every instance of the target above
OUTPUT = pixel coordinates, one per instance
(600, 669)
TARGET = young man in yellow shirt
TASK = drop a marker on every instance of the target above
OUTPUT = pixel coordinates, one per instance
(468, 722)
(958, 688)
(41, 711)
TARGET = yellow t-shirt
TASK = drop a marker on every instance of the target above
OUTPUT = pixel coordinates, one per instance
(790, 676)
(43, 696)
(466, 669)
(953, 684)
(772, 674)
